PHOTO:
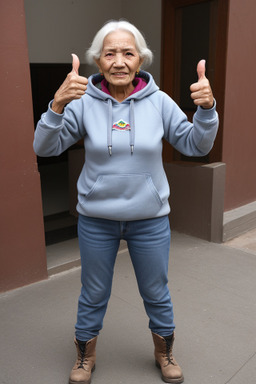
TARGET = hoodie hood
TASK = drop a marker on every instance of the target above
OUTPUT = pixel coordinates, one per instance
(95, 91)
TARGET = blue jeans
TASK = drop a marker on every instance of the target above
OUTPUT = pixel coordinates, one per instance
(149, 244)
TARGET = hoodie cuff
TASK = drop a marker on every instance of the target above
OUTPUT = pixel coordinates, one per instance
(52, 118)
(207, 113)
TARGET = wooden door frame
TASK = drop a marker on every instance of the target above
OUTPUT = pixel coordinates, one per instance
(169, 67)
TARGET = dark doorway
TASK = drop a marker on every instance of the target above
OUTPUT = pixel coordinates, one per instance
(193, 30)
(59, 224)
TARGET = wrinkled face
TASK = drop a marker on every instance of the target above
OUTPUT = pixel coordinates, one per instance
(119, 59)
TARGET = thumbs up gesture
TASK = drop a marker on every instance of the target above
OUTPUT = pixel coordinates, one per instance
(73, 87)
(201, 92)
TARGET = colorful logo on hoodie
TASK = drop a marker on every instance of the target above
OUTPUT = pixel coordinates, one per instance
(121, 125)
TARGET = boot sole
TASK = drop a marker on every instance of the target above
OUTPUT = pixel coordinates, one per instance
(83, 382)
(167, 380)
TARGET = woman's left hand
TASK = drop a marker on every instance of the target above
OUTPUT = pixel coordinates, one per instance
(201, 92)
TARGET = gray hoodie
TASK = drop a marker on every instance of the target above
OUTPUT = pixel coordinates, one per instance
(123, 176)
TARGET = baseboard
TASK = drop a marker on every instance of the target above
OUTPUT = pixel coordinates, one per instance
(239, 220)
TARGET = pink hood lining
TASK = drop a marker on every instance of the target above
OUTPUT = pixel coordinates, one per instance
(140, 84)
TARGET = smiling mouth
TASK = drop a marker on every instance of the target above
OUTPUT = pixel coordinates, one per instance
(119, 74)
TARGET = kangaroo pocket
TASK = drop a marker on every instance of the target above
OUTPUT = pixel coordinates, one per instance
(122, 197)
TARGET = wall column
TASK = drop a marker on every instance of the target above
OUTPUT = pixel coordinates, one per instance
(22, 245)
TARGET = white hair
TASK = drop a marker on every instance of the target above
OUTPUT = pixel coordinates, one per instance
(95, 50)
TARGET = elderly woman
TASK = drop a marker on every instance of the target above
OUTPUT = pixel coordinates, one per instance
(122, 190)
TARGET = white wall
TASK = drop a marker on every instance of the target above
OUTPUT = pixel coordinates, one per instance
(57, 28)
(146, 15)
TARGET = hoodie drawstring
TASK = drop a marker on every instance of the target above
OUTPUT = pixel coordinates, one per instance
(110, 126)
(132, 125)
(109, 138)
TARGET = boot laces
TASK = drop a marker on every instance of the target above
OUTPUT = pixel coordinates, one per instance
(169, 356)
(82, 359)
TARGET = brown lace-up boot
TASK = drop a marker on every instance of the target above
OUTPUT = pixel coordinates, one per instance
(85, 363)
(171, 371)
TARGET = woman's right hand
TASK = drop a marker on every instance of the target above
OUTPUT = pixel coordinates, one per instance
(73, 87)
